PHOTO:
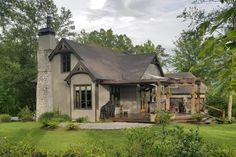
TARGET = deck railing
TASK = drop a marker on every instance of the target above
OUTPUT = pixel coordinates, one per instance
(217, 109)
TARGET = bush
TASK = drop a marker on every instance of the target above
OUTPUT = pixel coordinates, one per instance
(21, 149)
(220, 102)
(51, 124)
(25, 114)
(5, 118)
(164, 117)
(52, 119)
(177, 142)
(197, 116)
(71, 126)
(82, 120)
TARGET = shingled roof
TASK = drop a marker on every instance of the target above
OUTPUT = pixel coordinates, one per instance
(105, 64)
(185, 89)
(181, 75)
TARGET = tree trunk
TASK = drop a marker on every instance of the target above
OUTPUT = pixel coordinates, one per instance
(230, 105)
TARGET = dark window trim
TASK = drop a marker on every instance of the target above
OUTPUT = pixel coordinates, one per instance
(78, 107)
(68, 59)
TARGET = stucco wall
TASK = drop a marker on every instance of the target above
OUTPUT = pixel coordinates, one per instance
(104, 97)
(153, 70)
(82, 79)
(61, 90)
(129, 98)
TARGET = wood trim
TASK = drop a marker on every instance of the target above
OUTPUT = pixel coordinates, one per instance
(74, 93)
(96, 100)
(76, 71)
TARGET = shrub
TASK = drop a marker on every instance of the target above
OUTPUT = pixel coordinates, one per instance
(163, 117)
(89, 149)
(25, 114)
(82, 120)
(71, 126)
(220, 102)
(51, 124)
(5, 118)
(21, 149)
(197, 116)
(52, 119)
(177, 142)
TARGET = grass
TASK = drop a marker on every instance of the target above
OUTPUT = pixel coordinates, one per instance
(60, 139)
(222, 134)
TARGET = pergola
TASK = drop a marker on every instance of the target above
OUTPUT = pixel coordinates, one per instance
(168, 83)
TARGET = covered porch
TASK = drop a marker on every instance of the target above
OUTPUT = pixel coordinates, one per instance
(151, 96)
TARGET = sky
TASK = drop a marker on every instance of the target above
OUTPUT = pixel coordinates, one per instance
(141, 20)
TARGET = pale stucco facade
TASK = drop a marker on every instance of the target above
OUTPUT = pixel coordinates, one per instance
(56, 93)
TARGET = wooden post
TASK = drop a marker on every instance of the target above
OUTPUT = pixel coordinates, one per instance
(96, 101)
(158, 96)
(168, 94)
(193, 99)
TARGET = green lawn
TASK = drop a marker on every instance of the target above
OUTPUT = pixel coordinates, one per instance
(60, 139)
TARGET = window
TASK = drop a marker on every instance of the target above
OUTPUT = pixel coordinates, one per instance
(65, 62)
(83, 97)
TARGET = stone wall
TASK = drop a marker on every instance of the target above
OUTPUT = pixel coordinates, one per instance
(44, 101)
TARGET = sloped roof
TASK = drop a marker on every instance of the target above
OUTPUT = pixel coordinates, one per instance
(105, 64)
(181, 75)
(185, 89)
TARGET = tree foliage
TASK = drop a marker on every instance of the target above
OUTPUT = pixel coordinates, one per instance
(121, 43)
(216, 51)
(19, 25)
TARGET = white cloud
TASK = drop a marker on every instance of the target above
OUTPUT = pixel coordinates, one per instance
(97, 4)
(139, 19)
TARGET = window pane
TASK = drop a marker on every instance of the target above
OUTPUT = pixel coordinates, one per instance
(65, 62)
(89, 99)
(83, 99)
(77, 99)
(89, 88)
(68, 62)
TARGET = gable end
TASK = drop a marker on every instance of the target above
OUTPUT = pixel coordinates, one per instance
(79, 69)
(62, 47)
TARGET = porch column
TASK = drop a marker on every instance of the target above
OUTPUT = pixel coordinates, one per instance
(193, 99)
(158, 96)
(168, 94)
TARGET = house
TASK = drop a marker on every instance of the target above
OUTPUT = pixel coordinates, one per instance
(94, 82)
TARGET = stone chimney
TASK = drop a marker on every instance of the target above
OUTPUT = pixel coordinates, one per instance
(46, 43)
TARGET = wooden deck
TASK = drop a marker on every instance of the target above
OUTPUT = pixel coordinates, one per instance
(135, 117)
(145, 118)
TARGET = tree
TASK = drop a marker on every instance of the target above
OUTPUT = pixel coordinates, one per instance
(19, 25)
(187, 48)
(121, 43)
(217, 52)
(106, 38)
(222, 51)
(149, 47)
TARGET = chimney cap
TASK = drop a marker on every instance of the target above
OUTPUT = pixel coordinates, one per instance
(48, 30)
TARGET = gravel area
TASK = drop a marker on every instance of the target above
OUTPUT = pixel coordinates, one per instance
(112, 125)
(109, 125)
